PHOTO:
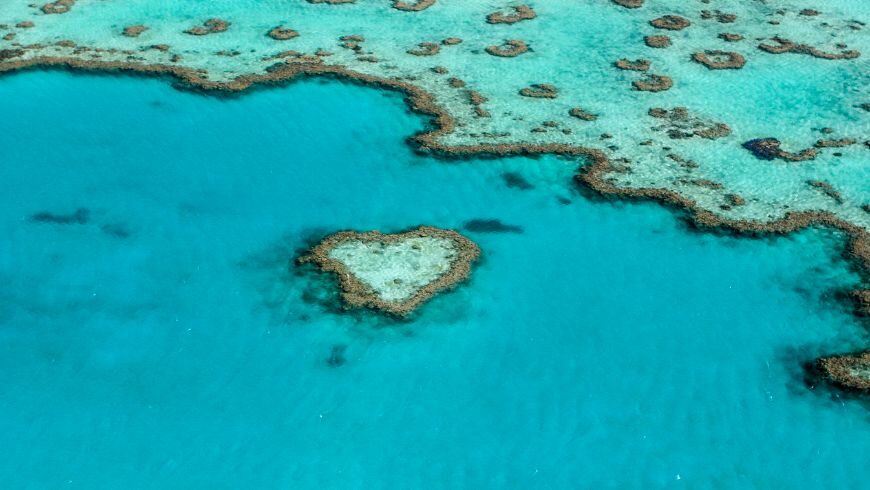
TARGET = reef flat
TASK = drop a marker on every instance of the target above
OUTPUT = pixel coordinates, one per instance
(394, 273)
(752, 116)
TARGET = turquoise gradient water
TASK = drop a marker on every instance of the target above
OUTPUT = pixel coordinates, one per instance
(169, 342)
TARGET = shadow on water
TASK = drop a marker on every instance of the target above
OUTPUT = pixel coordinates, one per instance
(80, 216)
(482, 225)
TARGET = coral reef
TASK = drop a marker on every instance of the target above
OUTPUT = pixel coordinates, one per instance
(282, 33)
(210, 26)
(636, 65)
(670, 23)
(58, 7)
(719, 60)
(631, 4)
(509, 49)
(520, 13)
(134, 31)
(653, 83)
(425, 49)
(785, 46)
(540, 91)
(416, 6)
(681, 124)
(580, 113)
(851, 371)
(657, 41)
(411, 267)
(769, 149)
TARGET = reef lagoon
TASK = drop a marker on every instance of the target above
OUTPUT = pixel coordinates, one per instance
(157, 329)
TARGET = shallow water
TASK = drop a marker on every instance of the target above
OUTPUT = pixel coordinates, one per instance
(168, 342)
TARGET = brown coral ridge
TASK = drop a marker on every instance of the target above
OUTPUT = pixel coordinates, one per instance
(831, 143)
(716, 59)
(594, 175)
(417, 6)
(636, 65)
(282, 33)
(827, 189)
(134, 31)
(850, 372)
(629, 4)
(657, 41)
(540, 91)
(520, 13)
(210, 26)
(357, 294)
(425, 49)
(653, 83)
(786, 46)
(58, 7)
(509, 49)
(770, 148)
(670, 23)
(683, 125)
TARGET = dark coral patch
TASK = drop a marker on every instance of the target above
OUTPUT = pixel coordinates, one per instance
(509, 49)
(282, 33)
(653, 83)
(636, 65)
(540, 91)
(770, 148)
(210, 26)
(417, 6)
(520, 13)
(719, 60)
(786, 46)
(657, 41)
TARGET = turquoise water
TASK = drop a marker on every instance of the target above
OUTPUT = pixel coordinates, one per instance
(168, 342)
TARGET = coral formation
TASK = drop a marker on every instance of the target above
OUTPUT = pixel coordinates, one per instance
(282, 33)
(636, 65)
(653, 83)
(769, 149)
(631, 4)
(520, 13)
(509, 49)
(657, 41)
(540, 91)
(580, 113)
(58, 7)
(411, 267)
(851, 371)
(719, 60)
(210, 26)
(134, 31)
(416, 6)
(670, 23)
(785, 46)
(681, 124)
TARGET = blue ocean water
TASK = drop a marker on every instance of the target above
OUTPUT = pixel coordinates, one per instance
(163, 338)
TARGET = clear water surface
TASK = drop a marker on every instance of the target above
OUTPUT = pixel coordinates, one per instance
(168, 342)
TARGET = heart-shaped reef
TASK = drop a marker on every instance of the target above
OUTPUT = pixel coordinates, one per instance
(394, 273)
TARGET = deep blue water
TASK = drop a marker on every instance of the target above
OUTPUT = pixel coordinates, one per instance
(168, 342)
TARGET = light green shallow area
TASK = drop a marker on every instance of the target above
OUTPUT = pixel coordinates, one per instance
(573, 45)
(395, 271)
